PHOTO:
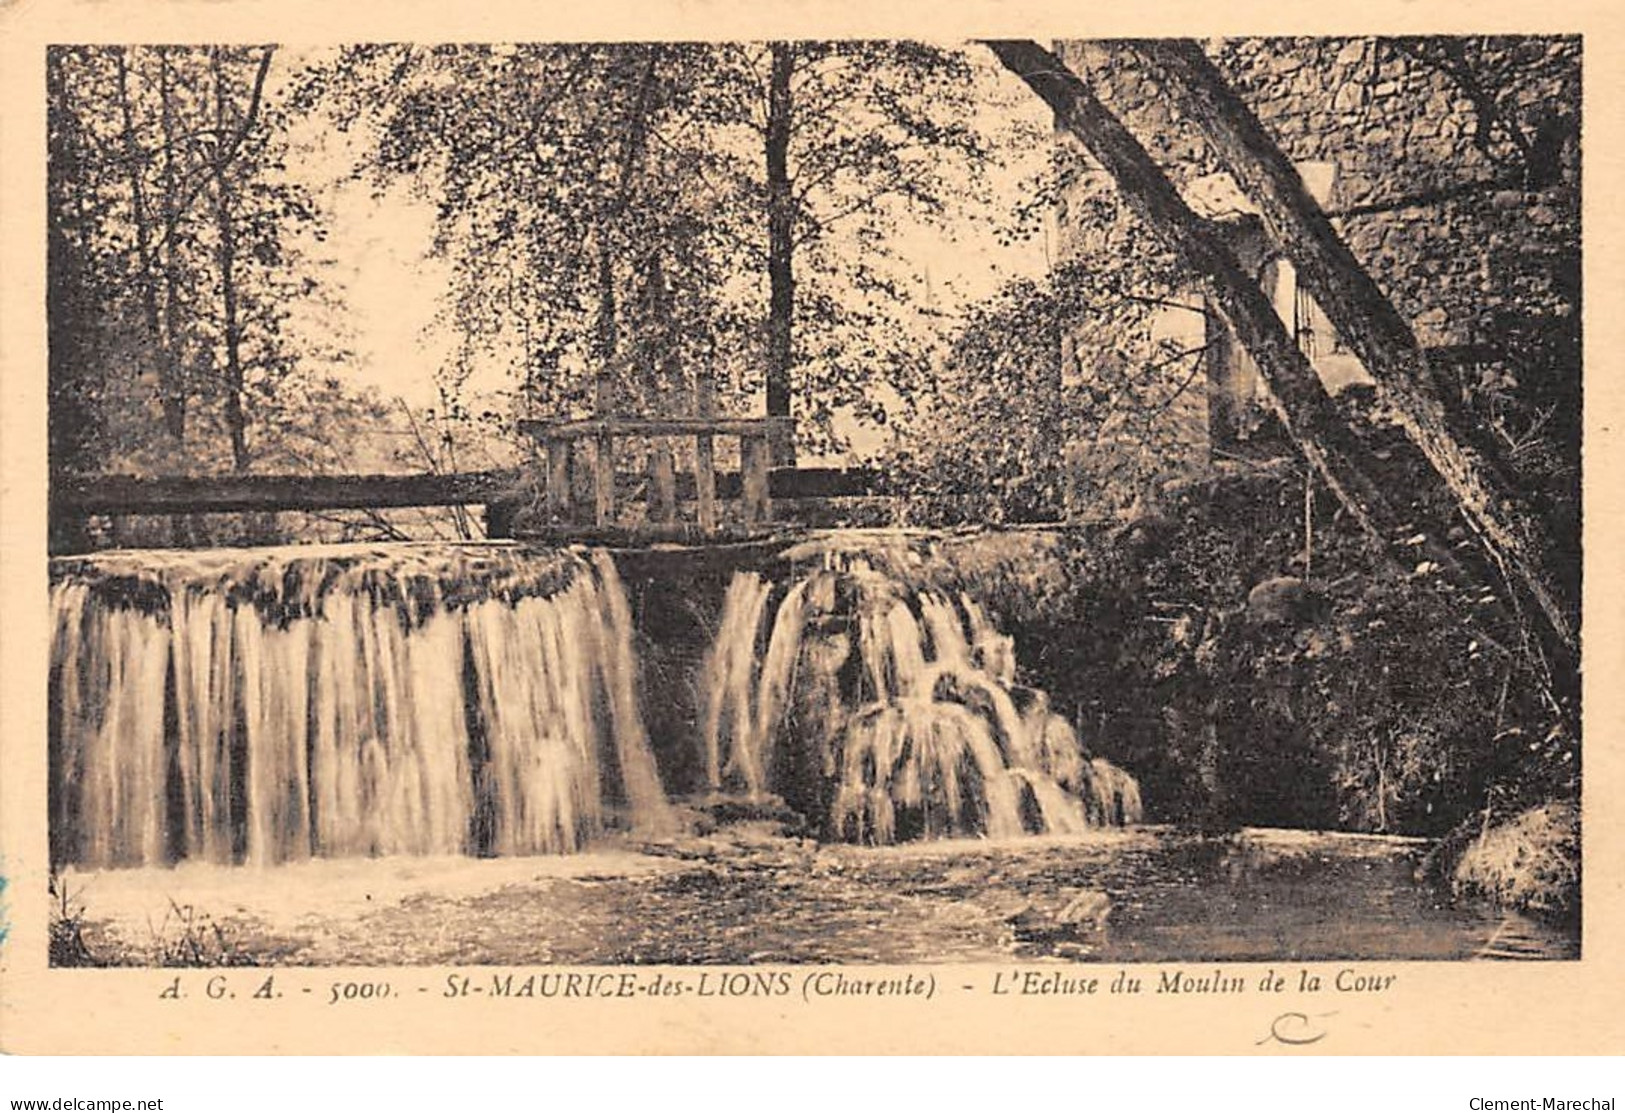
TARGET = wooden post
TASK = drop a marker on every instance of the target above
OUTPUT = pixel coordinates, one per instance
(581, 474)
(558, 479)
(604, 458)
(755, 453)
(662, 485)
(705, 465)
(604, 480)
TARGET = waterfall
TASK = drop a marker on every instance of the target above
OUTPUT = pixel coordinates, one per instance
(886, 711)
(265, 706)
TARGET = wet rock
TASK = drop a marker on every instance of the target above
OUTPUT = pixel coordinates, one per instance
(1078, 913)
(770, 810)
(1281, 599)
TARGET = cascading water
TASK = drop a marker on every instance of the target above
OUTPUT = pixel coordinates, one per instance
(886, 712)
(267, 706)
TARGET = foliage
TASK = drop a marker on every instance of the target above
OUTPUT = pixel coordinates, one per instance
(1531, 862)
(1065, 398)
(189, 937)
(177, 261)
(67, 927)
(1374, 703)
(604, 208)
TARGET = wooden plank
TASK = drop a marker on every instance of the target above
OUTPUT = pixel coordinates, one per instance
(558, 479)
(583, 479)
(662, 485)
(649, 427)
(705, 463)
(757, 506)
(666, 536)
(232, 494)
(825, 483)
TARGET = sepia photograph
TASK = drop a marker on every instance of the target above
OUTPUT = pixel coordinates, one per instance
(859, 502)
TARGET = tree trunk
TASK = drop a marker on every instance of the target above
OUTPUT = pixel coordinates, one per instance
(146, 280)
(172, 376)
(1515, 542)
(780, 272)
(226, 259)
(74, 421)
(634, 139)
(1307, 412)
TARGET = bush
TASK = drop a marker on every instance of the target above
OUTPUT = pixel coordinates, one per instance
(1531, 862)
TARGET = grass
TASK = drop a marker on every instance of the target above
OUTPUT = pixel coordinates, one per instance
(190, 937)
(67, 930)
(185, 937)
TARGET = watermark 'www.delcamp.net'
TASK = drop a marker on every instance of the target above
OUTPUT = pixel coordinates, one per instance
(90, 1105)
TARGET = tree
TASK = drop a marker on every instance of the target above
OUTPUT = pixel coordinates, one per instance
(1007, 430)
(174, 226)
(573, 204)
(1301, 402)
(856, 135)
(741, 192)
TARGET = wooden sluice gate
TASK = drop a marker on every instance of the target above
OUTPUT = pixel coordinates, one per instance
(580, 480)
(568, 461)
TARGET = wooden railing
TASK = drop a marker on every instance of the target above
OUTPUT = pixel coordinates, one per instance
(566, 460)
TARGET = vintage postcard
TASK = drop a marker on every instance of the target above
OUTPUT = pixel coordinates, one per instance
(816, 530)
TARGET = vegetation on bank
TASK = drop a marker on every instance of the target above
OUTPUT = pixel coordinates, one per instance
(1531, 861)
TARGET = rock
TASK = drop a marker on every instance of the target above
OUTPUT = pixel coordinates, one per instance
(1082, 913)
(1279, 599)
(1351, 53)
(767, 812)
(1089, 909)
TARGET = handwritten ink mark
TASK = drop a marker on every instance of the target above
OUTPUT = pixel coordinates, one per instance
(1295, 1029)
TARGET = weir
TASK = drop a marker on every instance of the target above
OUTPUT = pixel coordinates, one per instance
(267, 706)
(890, 711)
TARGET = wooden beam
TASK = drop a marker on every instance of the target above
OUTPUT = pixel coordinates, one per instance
(84, 495)
(649, 427)
(705, 463)
(757, 506)
(603, 471)
(662, 485)
(558, 479)
(229, 494)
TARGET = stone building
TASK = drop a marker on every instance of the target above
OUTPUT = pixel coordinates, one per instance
(1451, 167)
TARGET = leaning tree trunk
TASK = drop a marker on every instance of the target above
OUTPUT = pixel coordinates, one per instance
(1305, 409)
(780, 246)
(1514, 540)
